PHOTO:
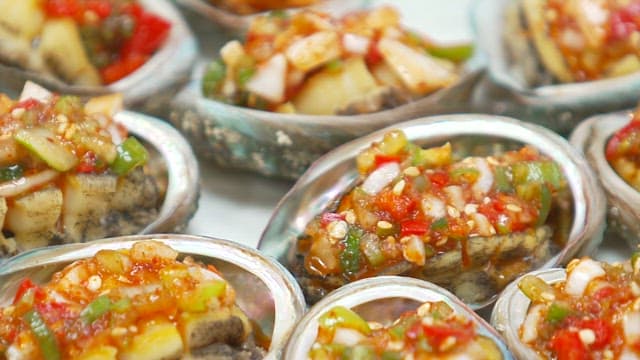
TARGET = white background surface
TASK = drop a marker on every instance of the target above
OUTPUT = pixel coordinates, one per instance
(237, 205)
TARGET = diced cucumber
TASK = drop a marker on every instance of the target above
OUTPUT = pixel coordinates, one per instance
(43, 143)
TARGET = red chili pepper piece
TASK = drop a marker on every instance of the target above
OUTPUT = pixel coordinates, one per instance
(25, 285)
(398, 206)
(27, 104)
(436, 334)
(63, 8)
(439, 178)
(150, 32)
(99, 7)
(568, 346)
(122, 68)
(414, 227)
(602, 330)
(88, 163)
(614, 144)
(383, 159)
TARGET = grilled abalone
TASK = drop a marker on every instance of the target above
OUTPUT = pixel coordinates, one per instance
(69, 173)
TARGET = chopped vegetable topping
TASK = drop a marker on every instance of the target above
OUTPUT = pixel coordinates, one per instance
(310, 63)
(422, 211)
(433, 331)
(593, 314)
(623, 151)
(593, 38)
(129, 304)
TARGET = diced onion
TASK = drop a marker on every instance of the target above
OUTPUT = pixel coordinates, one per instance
(269, 80)
(348, 337)
(381, 177)
(414, 251)
(581, 275)
(454, 193)
(355, 44)
(628, 354)
(530, 325)
(485, 180)
(631, 325)
(24, 184)
(433, 206)
(34, 91)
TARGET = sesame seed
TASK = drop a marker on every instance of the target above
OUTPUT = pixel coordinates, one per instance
(70, 131)
(17, 113)
(398, 188)
(94, 283)
(514, 208)
(548, 296)
(62, 128)
(411, 171)
(349, 216)
(608, 354)
(395, 345)
(118, 331)
(375, 325)
(470, 209)
(133, 329)
(384, 225)
(404, 240)
(635, 289)
(587, 336)
(636, 305)
(471, 223)
(447, 344)
(62, 118)
(442, 241)
(427, 320)
(491, 160)
(424, 309)
(486, 200)
(453, 212)
(338, 229)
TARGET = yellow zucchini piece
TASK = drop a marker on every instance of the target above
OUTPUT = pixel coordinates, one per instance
(86, 203)
(61, 47)
(549, 53)
(100, 353)
(108, 104)
(331, 90)
(157, 341)
(24, 18)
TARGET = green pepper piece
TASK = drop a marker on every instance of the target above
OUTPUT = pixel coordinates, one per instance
(95, 309)
(372, 250)
(455, 53)
(441, 223)
(551, 174)
(198, 300)
(334, 66)
(533, 287)
(461, 174)
(503, 183)
(121, 306)
(11, 172)
(397, 332)
(213, 78)
(391, 355)
(340, 316)
(527, 172)
(545, 205)
(130, 155)
(44, 336)
(67, 105)
(358, 352)
(244, 74)
(350, 255)
(557, 312)
(279, 14)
